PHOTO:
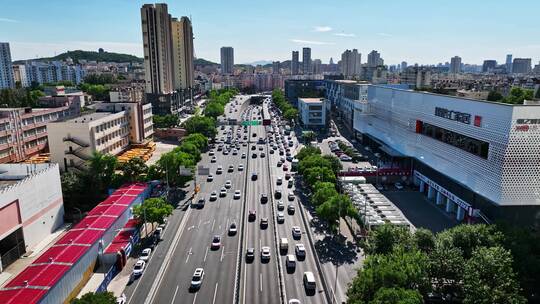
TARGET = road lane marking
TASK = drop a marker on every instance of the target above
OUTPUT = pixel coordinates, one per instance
(222, 252)
(199, 224)
(215, 293)
(188, 254)
(213, 223)
(174, 296)
(205, 254)
(166, 261)
(195, 298)
(260, 281)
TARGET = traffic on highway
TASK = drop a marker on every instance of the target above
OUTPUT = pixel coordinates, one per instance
(244, 238)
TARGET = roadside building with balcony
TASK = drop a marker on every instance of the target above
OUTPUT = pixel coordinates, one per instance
(23, 131)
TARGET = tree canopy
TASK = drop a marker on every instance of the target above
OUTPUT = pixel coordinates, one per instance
(201, 124)
(96, 298)
(154, 210)
(165, 121)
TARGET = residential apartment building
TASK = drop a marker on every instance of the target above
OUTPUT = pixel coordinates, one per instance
(23, 131)
(56, 71)
(227, 60)
(351, 63)
(489, 66)
(312, 112)
(31, 207)
(19, 74)
(416, 77)
(275, 68)
(306, 61)
(455, 65)
(110, 130)
(374, 59)
(6, 69)
(295, 65)
(522, 66)
(508, 64)
(182, 41)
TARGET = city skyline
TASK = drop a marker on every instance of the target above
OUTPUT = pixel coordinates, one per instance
(444, 38)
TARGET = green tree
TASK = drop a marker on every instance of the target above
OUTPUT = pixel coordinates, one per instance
(313, 161)
(307, 151)
(335, 208)
(134, 169)
(197, 139)
(323, 192)
(154, 210)
(169, 165)
(201, 124)
(386, 237)
(446, 270)
(308, 136)
(214, 109)
(490, 279)
(165, 121)
(397, 296)
(101, 169)
(190, 149)
(319, 174)
(494, 96)
(402, 268)
(334, 163)
(468, 238)
(424, 239)
(518, 95)
(96, 298)
(290, 114)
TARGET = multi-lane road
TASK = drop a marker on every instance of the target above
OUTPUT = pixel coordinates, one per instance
(228, 275)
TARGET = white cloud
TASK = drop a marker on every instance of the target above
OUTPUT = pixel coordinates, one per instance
(29, 50)
(8, 20)
(300, 41)
(384, 34)
(345, 34)
(322, 29)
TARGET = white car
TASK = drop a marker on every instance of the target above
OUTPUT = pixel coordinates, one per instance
(265, 253)
(228, 184)
(196, 280)
(231, 168)
(237, 194)
(138, 268)
(300, 250)
(346, 158)
(211, 153)
(279, 181)
(290, 196)
(294, 301)
(240, 167)
(280, 205)
(219, 170)
(213, 160)
(243, 155)
(213, 196)
(223, 192)
(233, 229)
(398, 186)
(280, 217)
(209, 178)
(145, 254)
(296, 232)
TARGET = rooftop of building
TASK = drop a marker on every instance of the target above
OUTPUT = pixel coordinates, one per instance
(11, 174)
(311, 100)
(526, 103)
(87, 118)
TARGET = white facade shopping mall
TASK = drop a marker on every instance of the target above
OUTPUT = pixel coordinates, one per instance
(473, 157)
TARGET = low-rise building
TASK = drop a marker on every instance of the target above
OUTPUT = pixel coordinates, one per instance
(110, 130)
(312, 111)
(31, 207)
(23, 131)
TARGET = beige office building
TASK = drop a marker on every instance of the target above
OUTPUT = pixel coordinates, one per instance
(182, 41)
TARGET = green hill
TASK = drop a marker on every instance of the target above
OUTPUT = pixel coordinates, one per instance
(202, 62)
(92, 56)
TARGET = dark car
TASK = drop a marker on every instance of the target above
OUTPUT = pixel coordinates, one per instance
(264, 198)
(254, 176)
(277, 194)
(250, 254)
(252, 215)
(264, 223)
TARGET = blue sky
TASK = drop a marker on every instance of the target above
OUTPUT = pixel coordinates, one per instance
(415, 30)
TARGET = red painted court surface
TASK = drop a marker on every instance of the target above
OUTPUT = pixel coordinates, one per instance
(31, 285)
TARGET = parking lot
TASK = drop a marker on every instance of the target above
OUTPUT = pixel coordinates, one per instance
(420, 211)
(346, 164)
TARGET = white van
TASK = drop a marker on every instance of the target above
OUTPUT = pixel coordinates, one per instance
(290, 261)
(309, 281)
(284, 244)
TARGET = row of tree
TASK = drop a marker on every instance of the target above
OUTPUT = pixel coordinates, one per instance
(288, 111)
(20, 97)
(516, 96)
(319, 173)
(217, 100)
(165, 121)
(464, 264)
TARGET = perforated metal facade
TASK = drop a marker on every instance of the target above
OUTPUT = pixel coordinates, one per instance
(509, 176)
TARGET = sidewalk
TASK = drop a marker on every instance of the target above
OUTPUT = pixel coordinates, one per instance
(30, 256)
